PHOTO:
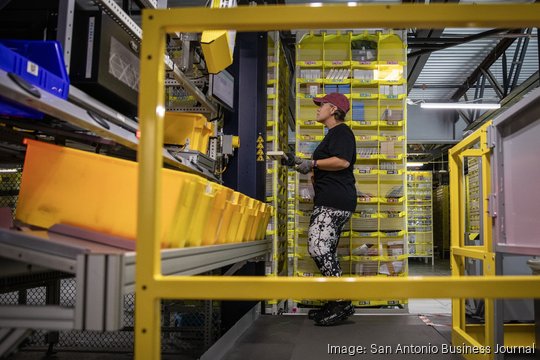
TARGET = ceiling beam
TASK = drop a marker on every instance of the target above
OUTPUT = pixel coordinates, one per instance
(489, 60)
(465, 116)
(419, 42)
(494, 83)
(443, 86)
(532, 82)
(467, 39)
(415, 66)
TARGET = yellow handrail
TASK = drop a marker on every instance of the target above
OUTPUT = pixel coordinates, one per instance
(151, 286)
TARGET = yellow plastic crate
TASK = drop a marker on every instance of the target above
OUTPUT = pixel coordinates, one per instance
(181, 128)
(99, 193)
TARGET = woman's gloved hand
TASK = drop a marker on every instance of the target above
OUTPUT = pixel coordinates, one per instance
(304, 166)
(291, 160)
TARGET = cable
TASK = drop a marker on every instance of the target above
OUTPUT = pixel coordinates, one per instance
(224, 168)
(219, 114)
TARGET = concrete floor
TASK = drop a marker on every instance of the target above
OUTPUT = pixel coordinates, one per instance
(417, 267)
(294, 337)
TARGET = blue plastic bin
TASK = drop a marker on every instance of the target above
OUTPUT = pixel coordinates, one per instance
(358, 111)
(41, 63)
(330, 89)
(344, 89)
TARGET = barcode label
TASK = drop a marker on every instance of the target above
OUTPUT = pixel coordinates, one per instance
(32, 68)
(90, 47)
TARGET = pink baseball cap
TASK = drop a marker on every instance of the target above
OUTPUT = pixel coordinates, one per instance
(336, 99)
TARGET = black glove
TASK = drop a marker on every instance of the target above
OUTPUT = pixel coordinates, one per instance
(291, 160)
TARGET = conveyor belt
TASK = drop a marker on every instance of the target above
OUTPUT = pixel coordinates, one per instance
(380, 336)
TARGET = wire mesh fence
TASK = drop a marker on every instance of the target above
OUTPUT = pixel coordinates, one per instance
(188, 327)
(10, 181)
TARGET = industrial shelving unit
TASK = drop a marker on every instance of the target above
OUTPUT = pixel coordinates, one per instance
(420, 215)
(441, 220)
(368, 67)
(472, 196)
(276, 174)
(291, 214)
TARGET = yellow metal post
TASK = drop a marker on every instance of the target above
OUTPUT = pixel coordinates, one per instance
(151, 113)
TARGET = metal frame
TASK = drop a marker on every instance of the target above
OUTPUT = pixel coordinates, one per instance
(460, 251)
(103, 275)
(152, 286)
(489, 139)
(66, 10)
(513, 97)
(508, 127)
(500, 49)
(78, 116)
(121, 18)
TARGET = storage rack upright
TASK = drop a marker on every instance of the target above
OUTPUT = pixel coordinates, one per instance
(291, 214)
(472, 196)
(420, 215)
(276, 174)
(441, 220)
(367, 67)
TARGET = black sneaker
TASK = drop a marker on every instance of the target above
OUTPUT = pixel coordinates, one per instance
(335, 312)
(313, 312)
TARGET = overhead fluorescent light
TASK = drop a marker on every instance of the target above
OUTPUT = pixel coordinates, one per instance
(316, 4)
(471, 106)
(415, 164)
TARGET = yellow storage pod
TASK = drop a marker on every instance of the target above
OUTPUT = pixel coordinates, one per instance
(187, 129)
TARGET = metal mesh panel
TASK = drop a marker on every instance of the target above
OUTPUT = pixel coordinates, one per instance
(10, 181)
(188, 327)
(10, 298)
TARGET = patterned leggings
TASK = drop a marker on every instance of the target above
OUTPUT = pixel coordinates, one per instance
(324, 229)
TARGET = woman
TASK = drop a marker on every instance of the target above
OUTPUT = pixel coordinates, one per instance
(335, 196)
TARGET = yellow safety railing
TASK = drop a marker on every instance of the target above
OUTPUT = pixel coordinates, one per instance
(152, 286)
(476, 146)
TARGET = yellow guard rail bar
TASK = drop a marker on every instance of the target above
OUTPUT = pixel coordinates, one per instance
(474, 146)
(151, 286)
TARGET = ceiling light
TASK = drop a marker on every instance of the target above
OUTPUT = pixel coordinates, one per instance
(415, 164)
(352, 3)
(459, 106)
(315, 4)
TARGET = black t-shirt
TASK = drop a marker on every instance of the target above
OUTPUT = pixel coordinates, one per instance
(336, 189)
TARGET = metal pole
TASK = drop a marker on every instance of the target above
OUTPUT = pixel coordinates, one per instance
(521, 57)
(538, 50)
(514, 60)
(534, 264)
(66, 10)
(505, 75)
